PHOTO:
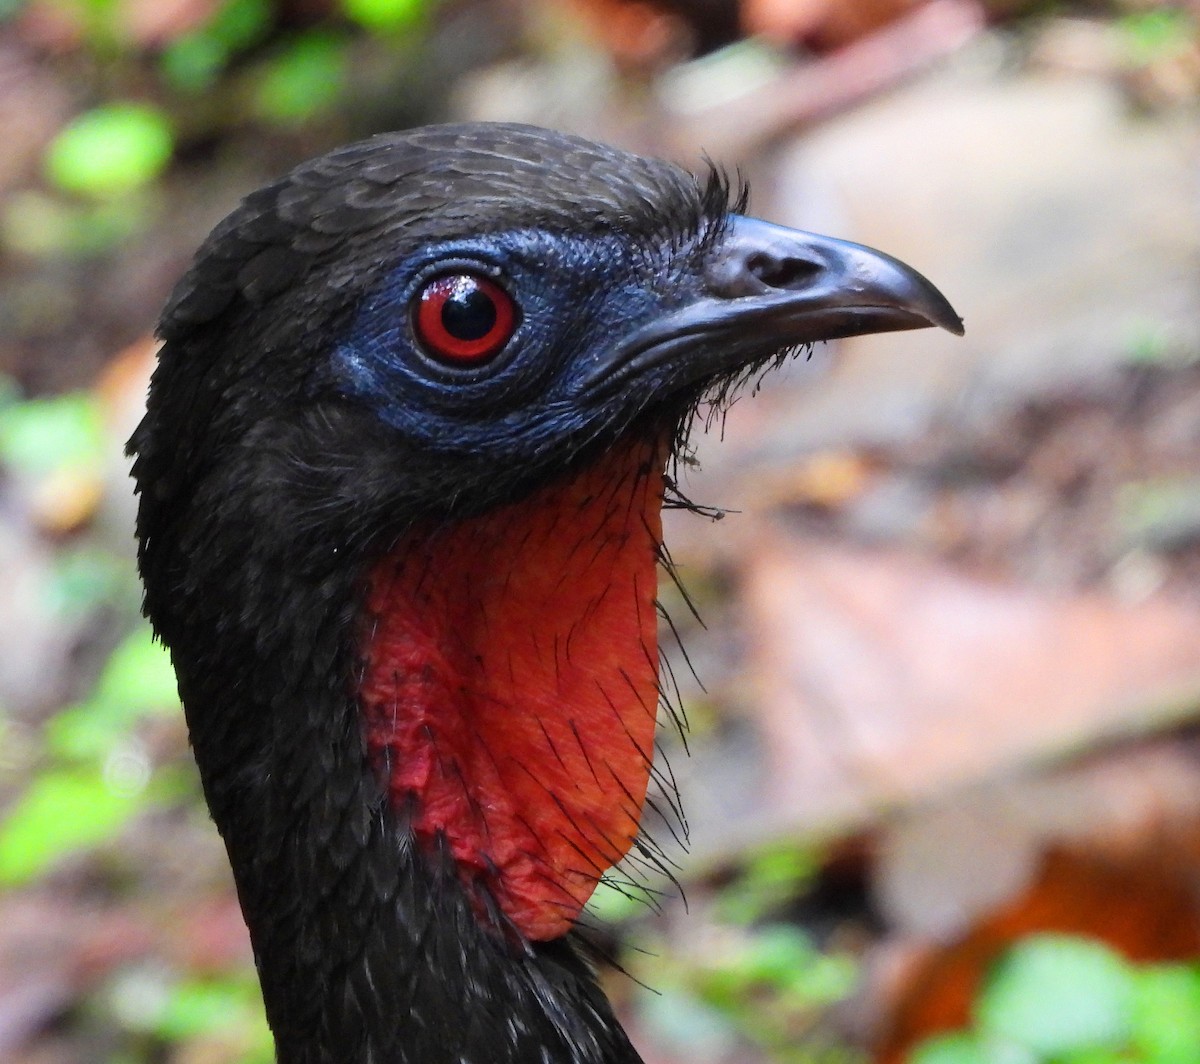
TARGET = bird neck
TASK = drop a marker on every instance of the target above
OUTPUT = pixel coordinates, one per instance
(421, 768)
(509, 687)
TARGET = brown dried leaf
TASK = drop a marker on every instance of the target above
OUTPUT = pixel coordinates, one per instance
(886, 678)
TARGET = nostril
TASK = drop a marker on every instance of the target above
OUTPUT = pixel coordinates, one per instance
(788, 272)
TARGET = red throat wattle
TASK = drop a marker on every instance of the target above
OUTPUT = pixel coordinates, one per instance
(510, 686)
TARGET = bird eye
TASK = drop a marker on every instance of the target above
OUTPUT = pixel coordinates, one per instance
(464, 318)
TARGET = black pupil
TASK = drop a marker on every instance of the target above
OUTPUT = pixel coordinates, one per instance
(469, 313)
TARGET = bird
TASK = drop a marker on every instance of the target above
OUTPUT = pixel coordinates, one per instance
(400, 482)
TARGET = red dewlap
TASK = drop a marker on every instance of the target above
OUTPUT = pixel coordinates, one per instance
(510, 687)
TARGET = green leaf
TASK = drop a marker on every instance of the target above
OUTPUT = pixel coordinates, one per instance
(86, 578)
(1166, 1014)
(139, 674)
(111, 150)
(1149, 341)
(1055, 994)
(193, 61)
(1157, 32)
(100, 20)
(782, 959)
(381, 16)
(948, 1049)
(964, 1048)
(53, 226)
(303, 81)
(225, 1013)
(772, 877)
(137, 680)
(829, 978)
(613, 904)
(197, 1008)
(61, 812)
(1099, 1055)
(44, 436)
(775, 953)
(240, 23)
(1161, 513)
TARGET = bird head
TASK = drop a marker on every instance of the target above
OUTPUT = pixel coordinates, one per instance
(500, 298)
(401, 473)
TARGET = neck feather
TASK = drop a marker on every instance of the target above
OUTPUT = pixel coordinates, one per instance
(420, 770)
(509, 687)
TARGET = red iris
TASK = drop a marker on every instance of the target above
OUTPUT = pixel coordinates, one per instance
(464, 318)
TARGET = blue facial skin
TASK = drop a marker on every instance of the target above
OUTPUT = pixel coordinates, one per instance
(574, 298)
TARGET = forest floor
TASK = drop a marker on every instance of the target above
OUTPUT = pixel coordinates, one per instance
(949, 678)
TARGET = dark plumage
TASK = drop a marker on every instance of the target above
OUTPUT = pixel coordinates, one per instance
(406, 573)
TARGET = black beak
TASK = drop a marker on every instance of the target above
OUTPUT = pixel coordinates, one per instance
(766, 289)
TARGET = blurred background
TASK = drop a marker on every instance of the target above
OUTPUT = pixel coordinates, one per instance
(942, 783)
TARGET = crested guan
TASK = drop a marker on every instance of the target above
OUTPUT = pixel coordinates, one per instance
(400, 480)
